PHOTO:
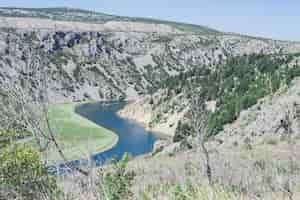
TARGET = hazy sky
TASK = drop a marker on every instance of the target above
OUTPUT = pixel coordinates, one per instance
(279, 19)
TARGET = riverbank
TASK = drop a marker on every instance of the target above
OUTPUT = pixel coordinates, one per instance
(142, 113)
(77, 136)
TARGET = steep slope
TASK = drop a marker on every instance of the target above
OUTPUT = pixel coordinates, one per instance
(231, 87)
(263, 122)
(102, 57)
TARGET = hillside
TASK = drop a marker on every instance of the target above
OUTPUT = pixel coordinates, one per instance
(247, 135)
(78, 15)
(231, 88)
(125, 62)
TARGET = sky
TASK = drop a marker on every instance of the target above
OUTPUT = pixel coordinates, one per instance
(277, 19)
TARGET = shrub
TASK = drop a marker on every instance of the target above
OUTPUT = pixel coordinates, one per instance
(22, 173)
(247, 144)
(179, 193)
(248, 101)
(182, 131)
(151, 102)
(115, 185)
(235, 143)
(260, 164)
(272, 141)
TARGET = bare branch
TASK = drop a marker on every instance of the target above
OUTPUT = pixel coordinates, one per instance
(24, 104)
(199, 122)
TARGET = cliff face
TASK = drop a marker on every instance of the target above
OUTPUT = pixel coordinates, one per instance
(28, 23)
(118, 65)
(93, 56)
(156, 114)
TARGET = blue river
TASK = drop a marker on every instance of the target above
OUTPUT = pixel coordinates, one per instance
(133, 138)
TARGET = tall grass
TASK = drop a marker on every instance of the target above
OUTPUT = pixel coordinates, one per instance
(238, 175)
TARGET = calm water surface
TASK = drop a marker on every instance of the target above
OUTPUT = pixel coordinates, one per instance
(133, 138)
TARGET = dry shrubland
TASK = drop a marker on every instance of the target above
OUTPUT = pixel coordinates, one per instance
(263, 172)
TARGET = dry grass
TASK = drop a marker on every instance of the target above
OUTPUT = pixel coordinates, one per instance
(264, 172)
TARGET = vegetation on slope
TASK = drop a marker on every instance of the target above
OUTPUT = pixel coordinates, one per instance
(243, 81)
(231, 85)
(22, 174)
(235, 85)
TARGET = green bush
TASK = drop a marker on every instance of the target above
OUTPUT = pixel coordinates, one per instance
(116, 185)
(9, 136)
(22, 173)
(179, 193)
(247, 101)
(182, 131)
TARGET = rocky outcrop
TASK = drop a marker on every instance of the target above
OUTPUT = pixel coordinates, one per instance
(115, 58)
(112, 26)
(118, 65)
(155, 114)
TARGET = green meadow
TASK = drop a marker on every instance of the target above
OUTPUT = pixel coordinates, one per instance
(76, 135)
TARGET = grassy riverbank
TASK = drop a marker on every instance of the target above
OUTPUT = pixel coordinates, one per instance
(77, 136)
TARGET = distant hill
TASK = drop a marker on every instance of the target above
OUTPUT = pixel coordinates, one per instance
(79, 15)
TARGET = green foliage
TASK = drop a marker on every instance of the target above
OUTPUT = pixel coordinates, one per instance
(182, 131)
(5, 138)
(156, 119)
(179, 193)
(235, 85)
(59, 58)
(243, 81)
(115, 185)
(9, 136)
(22, 172)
